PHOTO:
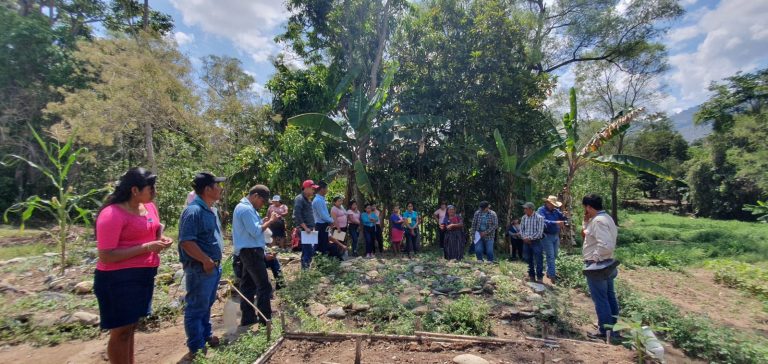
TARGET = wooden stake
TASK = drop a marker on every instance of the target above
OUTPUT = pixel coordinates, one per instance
(282, 322)
(269, 330)
(358, 350)
(607, 336)
(543, 358)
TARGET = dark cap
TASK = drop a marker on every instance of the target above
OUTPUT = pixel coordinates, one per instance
(261, 190)
(205, 179)
(484, 204)
(321, 184)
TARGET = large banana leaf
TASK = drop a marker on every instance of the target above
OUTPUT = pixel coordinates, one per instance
(538, 156)
(361, 177)
(356, 111)
(633, 165)
(321, 123)
(508, 162)
(345, 82)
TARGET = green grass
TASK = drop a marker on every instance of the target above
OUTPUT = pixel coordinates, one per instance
(10, 231)
(26, 250)
(669, 241)
(248, 347)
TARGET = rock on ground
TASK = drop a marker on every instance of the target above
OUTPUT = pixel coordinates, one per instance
(317, 309)
(84, 287)
(85, 318)
(469, 359)
(537, 287)
(336, 313)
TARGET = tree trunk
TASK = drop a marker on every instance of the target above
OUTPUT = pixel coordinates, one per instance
(145, 18)
(615, 184)
(567, 234)
(51, 4)
(510, 201)
(615, 196)
(149, 144)
(382, 43)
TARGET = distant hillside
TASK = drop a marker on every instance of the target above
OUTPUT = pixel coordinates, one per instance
(683, 122)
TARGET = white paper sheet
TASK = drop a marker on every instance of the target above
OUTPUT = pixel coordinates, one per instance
(477, 237)
(309, 238)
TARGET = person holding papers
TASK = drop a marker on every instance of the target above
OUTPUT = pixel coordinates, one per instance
(304, 219)
(484, 225)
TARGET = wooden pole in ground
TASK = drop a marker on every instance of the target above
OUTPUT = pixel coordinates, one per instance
(543, 358)
(282, 322)
(358, 350)
(269, 330)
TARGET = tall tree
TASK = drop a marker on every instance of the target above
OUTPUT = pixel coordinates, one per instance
(610, 89)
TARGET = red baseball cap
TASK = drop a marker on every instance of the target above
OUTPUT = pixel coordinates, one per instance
(309, 183)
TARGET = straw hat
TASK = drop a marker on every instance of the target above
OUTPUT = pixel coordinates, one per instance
(553, 200)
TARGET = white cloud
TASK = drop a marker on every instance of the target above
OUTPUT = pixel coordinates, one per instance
(250, 25)
(183, 38)
(736, 39)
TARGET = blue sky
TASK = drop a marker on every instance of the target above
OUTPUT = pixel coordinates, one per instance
(713, 40)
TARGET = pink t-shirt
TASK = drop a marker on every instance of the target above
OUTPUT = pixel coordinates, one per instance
(353, 216)
(282, 210)
(119, 229)
(339, 217)
(440, 214)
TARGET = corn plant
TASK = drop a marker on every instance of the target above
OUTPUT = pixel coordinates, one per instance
(760, 210)
(66, 206)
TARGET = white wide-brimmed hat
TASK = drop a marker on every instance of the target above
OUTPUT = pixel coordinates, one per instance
(275, 198)
(553, 200)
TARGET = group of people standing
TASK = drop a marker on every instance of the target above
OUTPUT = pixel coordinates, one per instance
(130, 237)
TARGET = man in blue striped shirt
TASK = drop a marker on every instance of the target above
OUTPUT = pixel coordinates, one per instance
(532, 230)
(550, 243)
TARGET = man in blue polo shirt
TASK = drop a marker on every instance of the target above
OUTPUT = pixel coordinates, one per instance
(323, 220)
(550, 243)
(200, 243)
(248, 240)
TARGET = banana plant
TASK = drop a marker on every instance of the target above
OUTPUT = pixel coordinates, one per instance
(518, 169)
(567, 143)
(356, 126)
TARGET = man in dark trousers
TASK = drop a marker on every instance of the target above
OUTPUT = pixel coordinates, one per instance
(249, 243)
(200, 242)
(304, 219)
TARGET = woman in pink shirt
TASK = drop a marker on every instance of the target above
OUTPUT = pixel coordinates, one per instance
(129, 238)
(353, 227)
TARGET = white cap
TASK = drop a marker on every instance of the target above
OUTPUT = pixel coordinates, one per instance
(276, 198)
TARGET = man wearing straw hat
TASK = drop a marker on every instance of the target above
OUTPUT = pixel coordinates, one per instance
(553, 221)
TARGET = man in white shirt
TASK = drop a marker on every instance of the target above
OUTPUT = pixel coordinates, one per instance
(599, 243)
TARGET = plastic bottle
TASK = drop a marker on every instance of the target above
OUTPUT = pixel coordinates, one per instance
(231, 315)
(653, 346)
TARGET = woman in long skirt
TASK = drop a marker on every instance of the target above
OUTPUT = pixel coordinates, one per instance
(455, 238)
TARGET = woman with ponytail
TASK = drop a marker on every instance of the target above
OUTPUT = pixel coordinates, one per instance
(129, 237)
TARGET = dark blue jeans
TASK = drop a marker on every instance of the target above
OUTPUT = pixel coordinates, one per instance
(322, 237)
(604, 297)
(255, 283)
(307, 252)
(201, 294)
(370, 239)
(354, 230)
(533, 253)
(484, 246)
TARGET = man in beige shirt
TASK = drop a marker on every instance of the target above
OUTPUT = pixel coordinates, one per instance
(599, 243)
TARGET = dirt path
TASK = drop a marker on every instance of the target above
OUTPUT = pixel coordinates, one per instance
(163, 346)
(696, 291)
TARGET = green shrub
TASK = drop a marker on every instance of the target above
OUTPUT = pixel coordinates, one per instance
(696, 335)
(246, 349)
(465, 316)
(742, 276)
(569, 269)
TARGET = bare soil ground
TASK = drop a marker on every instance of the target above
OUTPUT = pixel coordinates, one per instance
(696, 291)
(295, 351)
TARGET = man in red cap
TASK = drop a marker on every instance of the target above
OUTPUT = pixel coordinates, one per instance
(304, 218)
